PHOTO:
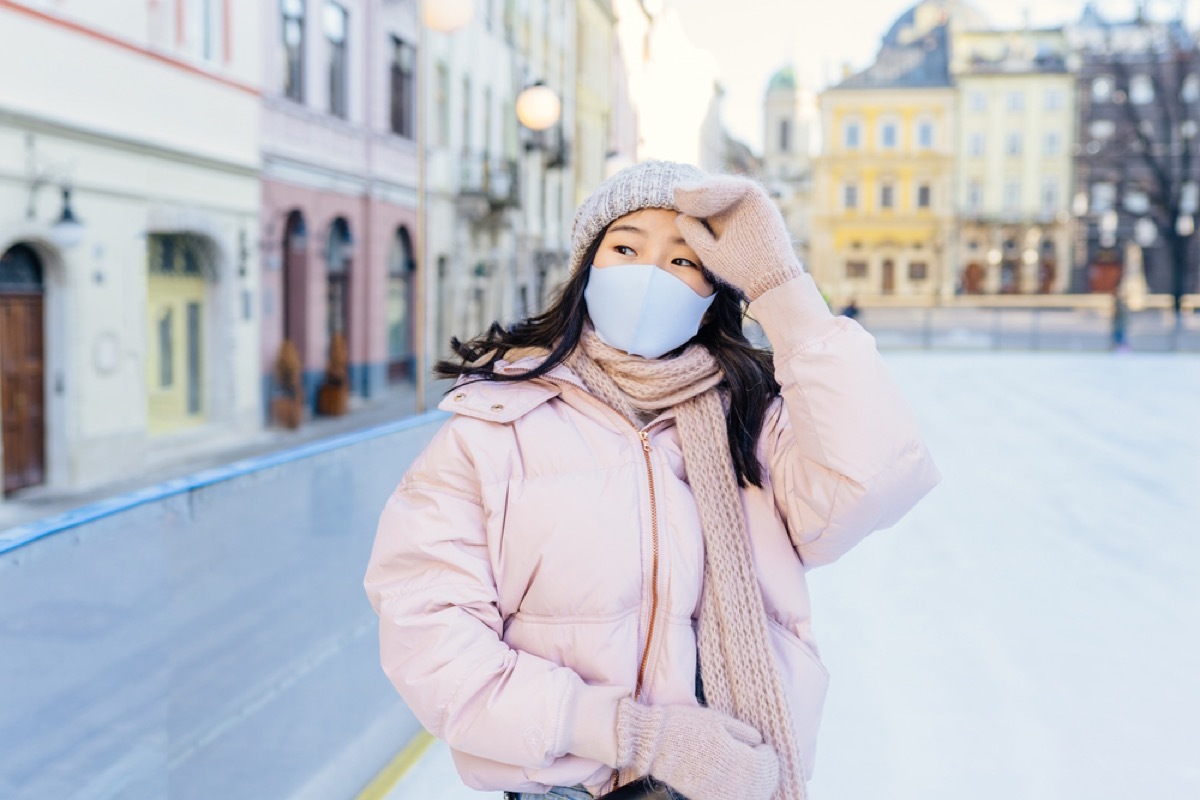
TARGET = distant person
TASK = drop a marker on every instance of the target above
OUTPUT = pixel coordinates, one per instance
(851, 309)
(1120, 322)
(595, 572)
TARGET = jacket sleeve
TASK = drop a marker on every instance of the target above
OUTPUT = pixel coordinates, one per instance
(843, 452)
(440, 629)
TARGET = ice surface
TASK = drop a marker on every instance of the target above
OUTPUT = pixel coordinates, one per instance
(1032, 630)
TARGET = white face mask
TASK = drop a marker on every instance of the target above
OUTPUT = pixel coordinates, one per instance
(643, 310)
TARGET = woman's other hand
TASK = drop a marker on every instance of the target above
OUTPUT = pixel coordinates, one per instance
(739, 234)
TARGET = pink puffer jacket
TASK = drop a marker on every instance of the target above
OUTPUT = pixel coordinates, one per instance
(513, 568)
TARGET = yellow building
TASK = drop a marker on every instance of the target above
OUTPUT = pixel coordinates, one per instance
(883, 222)
(1016, 126)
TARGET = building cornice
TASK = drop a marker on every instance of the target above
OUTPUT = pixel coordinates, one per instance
(142, 147)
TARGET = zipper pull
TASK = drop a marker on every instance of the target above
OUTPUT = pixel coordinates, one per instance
(645, 441)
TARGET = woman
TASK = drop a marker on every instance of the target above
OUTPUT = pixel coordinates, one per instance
(595, 571)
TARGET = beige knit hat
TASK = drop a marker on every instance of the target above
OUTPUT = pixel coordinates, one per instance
(650, 184)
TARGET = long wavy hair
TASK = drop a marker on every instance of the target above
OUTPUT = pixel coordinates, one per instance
(749, 371)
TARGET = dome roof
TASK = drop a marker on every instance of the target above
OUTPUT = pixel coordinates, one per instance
(783, 79)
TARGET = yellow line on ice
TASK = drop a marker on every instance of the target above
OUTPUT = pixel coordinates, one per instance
(397, 768)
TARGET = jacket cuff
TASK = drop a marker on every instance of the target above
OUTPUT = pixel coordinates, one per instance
(590, 728)
(793, 314)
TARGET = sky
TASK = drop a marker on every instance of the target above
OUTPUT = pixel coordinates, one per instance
(751, 39)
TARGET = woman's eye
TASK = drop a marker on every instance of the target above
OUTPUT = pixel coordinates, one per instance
(683, 262)
(624, 250)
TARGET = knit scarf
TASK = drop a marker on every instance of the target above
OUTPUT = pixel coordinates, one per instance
(738, 668)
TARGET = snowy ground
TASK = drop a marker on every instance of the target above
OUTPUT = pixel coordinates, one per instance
(1032, 630)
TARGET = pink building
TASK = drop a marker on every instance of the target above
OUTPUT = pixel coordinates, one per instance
(339, 188)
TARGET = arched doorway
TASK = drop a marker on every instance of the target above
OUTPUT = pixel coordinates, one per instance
(22, 368)
(180, 266)
(401, 307)
(339, 254)
(295, 283)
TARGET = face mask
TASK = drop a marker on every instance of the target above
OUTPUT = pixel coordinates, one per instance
(643, 310)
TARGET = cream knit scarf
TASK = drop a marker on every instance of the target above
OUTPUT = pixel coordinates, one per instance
(738, 668)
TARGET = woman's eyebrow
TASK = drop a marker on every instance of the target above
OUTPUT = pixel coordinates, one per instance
(626, 227)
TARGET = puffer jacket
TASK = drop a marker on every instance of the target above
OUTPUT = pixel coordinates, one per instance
(543, 558)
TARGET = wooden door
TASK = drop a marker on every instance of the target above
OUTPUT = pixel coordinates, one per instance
(889, 276)
(22, 390)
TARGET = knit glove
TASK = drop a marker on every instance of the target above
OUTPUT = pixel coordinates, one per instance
(700, 753)
(749, 246)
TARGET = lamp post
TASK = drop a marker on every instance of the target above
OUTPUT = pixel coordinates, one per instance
(443, 16)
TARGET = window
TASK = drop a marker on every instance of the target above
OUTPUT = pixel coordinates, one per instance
(1141, 90)
(850, 195)
(401, 267)
(1052, 100)
(1104, 196)
(1052, 144)
(404, 59)
(1012, 195)
(887, 135)
(1190, 91)
(1015, 101)
(975, 144)
(1102, 88)
(293, 50)
(166, 349)
(887, 196)
(1102, 128)
(924, 195)
(974, 195)
(203, 24)
(977, 101)
(1014, 143)
(1049, 195)
(925, 135)
(856, 270)
(918, 270)
(852, 135)
(441, 105)
(335, 41)
(1136, 201)
(785, 136)
(466, 114)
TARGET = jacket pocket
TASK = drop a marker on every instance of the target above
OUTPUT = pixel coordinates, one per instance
(805, 683)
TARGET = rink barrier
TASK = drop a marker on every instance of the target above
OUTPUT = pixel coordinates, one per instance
(21, 535)
(208, 636)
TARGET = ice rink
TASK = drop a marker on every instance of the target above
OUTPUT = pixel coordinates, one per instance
(1032, 630)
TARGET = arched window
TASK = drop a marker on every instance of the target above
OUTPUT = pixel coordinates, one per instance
(339, 253)
(401, 307)
(295, 281)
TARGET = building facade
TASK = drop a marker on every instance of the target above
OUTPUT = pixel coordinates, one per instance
(790, 125)
(135, 329)
(1014, 165)
(339, 189)
(883, 219)
(1137, 153)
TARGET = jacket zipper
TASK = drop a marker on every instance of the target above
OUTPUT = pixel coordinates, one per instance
(641, 674)
(644, 436)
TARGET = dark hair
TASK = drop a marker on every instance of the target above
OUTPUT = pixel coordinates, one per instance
(749, 370)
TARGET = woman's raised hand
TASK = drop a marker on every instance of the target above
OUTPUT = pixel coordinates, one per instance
(700, 753)
(745, 243)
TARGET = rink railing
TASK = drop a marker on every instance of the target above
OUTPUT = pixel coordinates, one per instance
(1001, 328)
(206, 637)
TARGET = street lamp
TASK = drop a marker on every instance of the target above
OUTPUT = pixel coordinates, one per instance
(443, 16)
(538, 107)
(68, 230)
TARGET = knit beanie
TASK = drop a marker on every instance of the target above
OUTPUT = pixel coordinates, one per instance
(650, 184)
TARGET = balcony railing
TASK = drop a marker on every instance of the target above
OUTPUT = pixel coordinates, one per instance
(493, 180)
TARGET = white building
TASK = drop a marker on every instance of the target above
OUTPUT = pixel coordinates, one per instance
(790, 125)
(501, 197)
(143, 335)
